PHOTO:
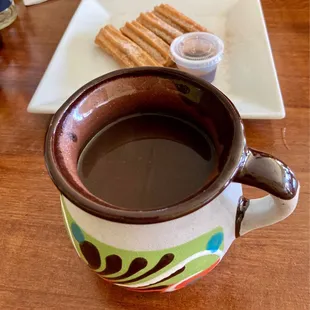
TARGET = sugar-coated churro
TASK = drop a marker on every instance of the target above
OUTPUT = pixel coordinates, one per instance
(176, 19)
(148, 41)
(159, 27)
(122, 49)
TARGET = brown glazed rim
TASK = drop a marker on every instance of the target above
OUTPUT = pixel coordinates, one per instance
(104, 210)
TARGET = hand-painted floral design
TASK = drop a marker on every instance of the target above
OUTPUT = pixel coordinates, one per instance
(148, 271)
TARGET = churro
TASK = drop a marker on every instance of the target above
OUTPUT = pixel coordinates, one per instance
(148, 41)
(176, 19)
(122, 49)
(159, 27)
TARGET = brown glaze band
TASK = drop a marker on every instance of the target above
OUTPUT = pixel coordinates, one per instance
(154, 89)
(212, 107)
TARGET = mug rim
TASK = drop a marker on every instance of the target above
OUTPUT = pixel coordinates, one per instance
(106, 211)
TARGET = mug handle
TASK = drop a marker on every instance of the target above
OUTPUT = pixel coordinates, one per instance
(266, 172)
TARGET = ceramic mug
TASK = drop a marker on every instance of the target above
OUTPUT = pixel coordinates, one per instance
(163, 250)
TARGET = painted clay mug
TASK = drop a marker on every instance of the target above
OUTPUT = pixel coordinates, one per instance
(163, 250)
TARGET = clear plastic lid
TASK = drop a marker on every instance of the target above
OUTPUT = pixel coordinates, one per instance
(197, 50)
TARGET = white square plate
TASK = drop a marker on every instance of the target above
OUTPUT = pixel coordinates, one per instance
(247, 74)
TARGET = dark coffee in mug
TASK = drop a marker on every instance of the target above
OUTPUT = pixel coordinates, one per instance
(147, 161)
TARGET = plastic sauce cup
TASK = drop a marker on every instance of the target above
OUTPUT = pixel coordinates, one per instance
(198, 53)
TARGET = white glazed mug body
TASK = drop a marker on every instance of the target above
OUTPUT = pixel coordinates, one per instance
(155, 257)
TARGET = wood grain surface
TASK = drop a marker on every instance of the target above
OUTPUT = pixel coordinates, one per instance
(266, 269)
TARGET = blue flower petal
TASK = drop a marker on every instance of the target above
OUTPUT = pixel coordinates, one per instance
(215, 242)
(77, 232)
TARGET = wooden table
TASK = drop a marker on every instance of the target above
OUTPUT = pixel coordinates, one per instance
(266, 269)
